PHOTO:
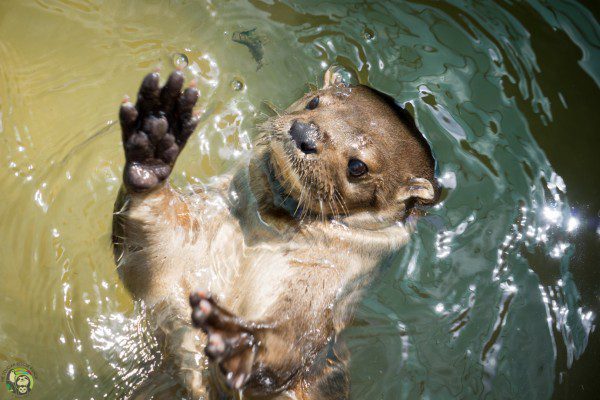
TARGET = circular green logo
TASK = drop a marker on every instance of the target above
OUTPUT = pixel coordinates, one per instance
(19, 379)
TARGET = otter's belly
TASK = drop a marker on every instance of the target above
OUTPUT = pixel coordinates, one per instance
(258, 283)
(275, 283)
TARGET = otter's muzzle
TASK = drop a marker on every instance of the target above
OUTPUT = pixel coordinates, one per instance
(305, 136)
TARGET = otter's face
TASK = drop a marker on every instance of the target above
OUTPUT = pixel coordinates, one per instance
(344, 149)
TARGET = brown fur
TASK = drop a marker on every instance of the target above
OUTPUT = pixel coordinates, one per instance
(285, 244)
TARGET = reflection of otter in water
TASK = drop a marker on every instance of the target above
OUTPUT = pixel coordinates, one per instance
(284, 245)
(252, 41)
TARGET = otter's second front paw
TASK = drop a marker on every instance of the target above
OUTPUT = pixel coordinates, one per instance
(156, 129)
(232, 342)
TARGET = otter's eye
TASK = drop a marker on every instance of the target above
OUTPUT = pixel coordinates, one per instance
(313, 103)
(357, 168)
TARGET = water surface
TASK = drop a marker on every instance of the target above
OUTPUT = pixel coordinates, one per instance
(483, 303)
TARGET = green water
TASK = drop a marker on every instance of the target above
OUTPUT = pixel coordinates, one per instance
(495, 296)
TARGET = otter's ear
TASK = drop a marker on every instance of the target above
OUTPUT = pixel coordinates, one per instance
(417, 188)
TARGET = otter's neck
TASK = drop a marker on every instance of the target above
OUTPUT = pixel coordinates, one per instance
(268, 190)
(263, 212)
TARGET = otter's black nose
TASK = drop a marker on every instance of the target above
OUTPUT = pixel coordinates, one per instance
(305, 136)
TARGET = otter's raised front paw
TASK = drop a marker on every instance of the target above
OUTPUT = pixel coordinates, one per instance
(156, 129)
(232, 342)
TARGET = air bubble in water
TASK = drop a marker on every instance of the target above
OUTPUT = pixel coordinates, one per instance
(237, 84)
(180, 60)
(345, 75)
(368, 34)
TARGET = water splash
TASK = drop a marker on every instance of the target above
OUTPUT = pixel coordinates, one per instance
(481, 301)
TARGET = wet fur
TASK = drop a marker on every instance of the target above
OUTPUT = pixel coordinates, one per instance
(297, 272)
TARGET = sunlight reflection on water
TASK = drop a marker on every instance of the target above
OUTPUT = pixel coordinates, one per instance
(480, 302)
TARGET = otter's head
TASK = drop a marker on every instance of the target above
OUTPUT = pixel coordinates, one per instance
(343, 150)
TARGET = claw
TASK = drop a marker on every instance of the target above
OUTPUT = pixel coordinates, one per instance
(198, 295)
(216, 345)
(198, 317)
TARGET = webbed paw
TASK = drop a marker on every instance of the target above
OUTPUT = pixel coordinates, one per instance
(232, 342)
(156, 129)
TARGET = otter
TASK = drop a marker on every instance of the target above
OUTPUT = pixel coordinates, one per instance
(282, 247)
